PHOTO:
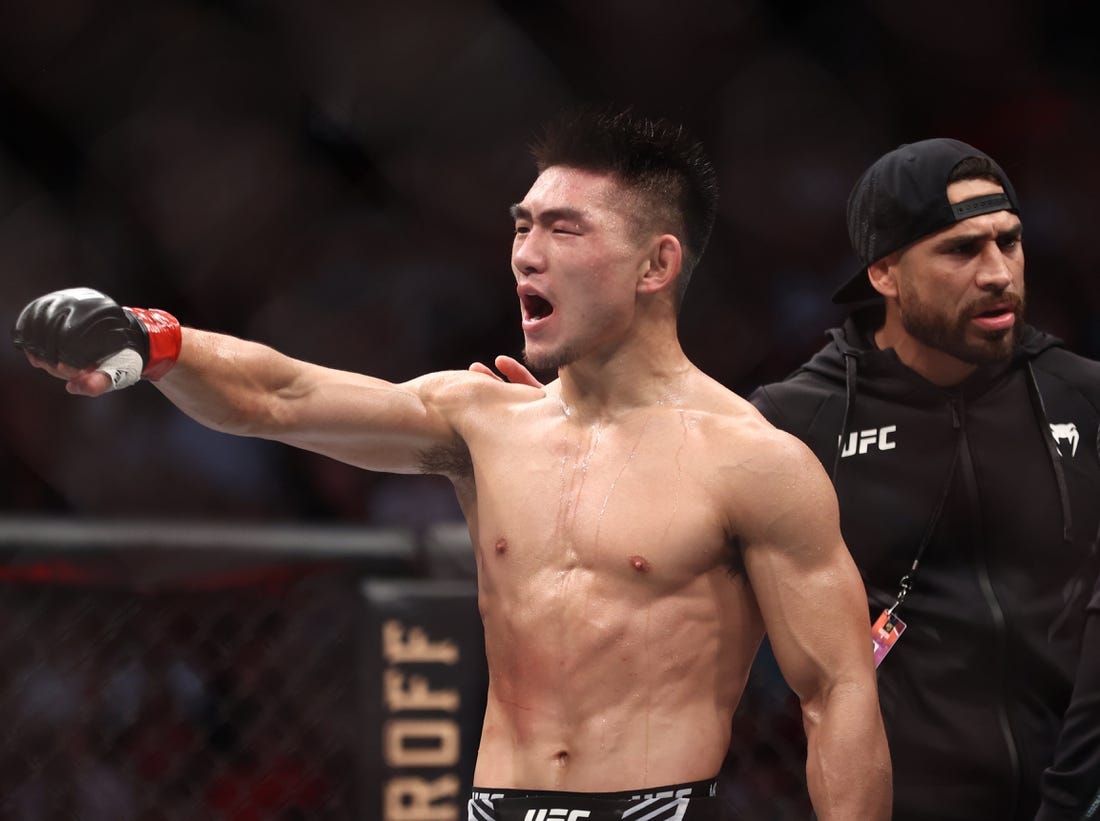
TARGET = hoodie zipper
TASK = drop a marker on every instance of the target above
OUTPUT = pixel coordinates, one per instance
(981, 567)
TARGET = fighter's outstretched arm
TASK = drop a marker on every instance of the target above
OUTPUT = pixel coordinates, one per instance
(250, 389)
(815, 612)
(245, 388)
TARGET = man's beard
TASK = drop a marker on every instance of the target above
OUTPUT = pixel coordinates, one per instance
(943, 333)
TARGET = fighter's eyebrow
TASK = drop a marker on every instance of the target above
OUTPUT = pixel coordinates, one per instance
(550, 215)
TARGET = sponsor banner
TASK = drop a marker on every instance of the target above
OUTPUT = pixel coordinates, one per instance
(423, 669)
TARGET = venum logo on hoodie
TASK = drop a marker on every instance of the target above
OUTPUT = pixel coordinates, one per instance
(859, 442)
(1065, 432)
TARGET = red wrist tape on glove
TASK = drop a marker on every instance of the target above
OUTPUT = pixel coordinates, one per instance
(165, 339)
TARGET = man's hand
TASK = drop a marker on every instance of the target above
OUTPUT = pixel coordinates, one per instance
(511, 369)
(93, 343)
(86, 382)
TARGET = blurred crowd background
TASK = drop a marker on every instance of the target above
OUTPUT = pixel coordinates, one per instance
(333, 178)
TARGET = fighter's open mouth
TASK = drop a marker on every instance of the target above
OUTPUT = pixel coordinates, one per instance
(535, 307)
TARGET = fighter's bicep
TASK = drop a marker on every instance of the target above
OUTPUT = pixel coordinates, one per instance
(814, 612)
(372, 423)
(806, 585)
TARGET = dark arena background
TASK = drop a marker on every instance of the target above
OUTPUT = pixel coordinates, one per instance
(194, 626)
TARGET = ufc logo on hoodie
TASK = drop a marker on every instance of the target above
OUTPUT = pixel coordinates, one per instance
(556, 815)
(859, 442)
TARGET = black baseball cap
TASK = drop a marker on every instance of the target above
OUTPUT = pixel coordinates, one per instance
(903, 197)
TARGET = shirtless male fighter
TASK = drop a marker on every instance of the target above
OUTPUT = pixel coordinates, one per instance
(637, 526)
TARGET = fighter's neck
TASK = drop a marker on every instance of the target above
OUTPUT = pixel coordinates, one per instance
(602, 386)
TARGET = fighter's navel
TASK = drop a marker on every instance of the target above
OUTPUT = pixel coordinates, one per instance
(639, 563)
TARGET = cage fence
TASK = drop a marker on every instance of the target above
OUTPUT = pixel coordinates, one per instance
(172, 682)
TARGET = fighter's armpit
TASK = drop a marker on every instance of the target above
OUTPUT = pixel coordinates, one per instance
(452, 461)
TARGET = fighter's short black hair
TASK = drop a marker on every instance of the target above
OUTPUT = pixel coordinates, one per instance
(657, 159)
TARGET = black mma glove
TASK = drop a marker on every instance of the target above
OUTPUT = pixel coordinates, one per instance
(83, 328)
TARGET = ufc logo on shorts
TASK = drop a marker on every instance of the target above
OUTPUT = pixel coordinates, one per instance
(556, 815)
(862, 441)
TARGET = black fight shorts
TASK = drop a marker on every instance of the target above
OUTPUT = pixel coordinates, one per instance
(678, 802)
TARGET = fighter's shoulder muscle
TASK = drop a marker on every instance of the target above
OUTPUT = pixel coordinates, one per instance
(765, 477)
(468, 400)
(470, 404)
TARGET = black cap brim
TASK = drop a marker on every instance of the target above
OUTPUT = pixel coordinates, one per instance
(856, 289)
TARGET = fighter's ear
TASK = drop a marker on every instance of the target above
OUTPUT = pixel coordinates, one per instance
(662, 266)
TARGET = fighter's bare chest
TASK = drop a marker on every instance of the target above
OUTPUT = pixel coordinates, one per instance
(600, 494)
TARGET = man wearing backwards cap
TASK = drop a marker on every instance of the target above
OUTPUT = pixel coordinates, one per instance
(963, 447)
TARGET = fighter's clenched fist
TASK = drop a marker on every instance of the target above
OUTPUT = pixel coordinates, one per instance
(78, 331)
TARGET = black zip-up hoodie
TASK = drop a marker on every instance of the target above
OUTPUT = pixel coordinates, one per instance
(995, 484)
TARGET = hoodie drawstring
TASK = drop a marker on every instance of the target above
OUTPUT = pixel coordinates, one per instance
(906, 582)
(1052, 451)
(849, 407)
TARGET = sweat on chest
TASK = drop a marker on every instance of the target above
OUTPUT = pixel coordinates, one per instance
(618, 499)
(584, 472)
